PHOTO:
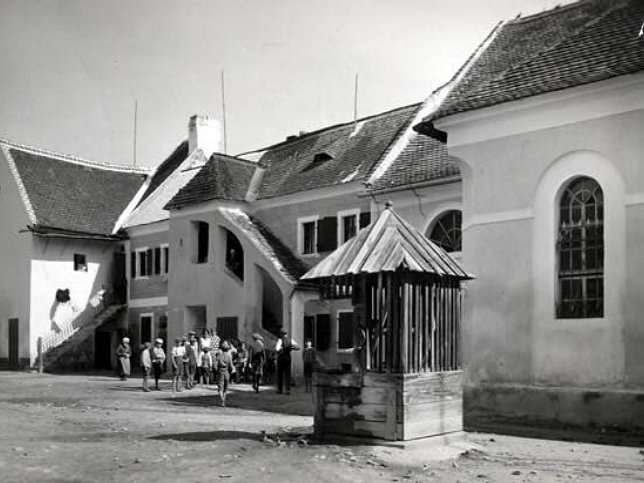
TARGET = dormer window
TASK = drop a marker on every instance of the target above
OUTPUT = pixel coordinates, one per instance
(321, 158)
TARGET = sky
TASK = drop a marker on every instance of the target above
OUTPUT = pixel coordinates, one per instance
(71, 70)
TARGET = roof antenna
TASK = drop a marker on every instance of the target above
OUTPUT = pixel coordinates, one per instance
(223, 109)
(136, 108)
(355, 103)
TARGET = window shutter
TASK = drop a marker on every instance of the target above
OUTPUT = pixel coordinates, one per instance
(323, 332)
(148, 262)
(327, 234)
(345, 330)
(166, 255)
(365, 219)
(132, 264)
(157, 260)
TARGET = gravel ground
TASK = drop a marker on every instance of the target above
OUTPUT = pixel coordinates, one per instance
(95, 428)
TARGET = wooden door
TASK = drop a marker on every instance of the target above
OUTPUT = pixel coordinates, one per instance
(14, 342)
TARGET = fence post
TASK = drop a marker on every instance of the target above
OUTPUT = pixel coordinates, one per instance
(40, 361)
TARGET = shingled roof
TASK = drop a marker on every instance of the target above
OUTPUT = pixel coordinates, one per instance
(65, 194)
(568, 46)
(222, 178)
(335, 155)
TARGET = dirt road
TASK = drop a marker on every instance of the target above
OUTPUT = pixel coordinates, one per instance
(95, 428)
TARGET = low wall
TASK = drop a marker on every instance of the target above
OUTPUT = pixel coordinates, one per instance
(519, 409)
(387, 406)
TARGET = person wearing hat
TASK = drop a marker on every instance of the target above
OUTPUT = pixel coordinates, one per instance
(177, 364)
(158, 359)
(207, 365)
(123, 353)
(146, 364)
(284, 346)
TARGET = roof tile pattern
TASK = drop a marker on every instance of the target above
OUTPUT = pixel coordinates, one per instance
(271, 247)
(423, 159)
(222, 178)
(565, 47)
(74, 196)
(353, 150)
(167, 168)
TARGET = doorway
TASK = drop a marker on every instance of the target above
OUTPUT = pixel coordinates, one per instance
(103, 350)
(14, 342)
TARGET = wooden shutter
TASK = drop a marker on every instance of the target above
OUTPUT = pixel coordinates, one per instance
(148, 262)
(365, 219)
(345, 330)
(323, 332)
(157, 260)
(133, 264)
(327, 234)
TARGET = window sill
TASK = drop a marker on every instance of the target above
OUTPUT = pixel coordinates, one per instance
(309, 255)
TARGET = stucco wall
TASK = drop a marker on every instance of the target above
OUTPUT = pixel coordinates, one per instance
(52, 268)
(15, 251)
(153, 285)
(510, 332)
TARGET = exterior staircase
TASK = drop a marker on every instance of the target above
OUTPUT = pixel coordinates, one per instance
(76, 349)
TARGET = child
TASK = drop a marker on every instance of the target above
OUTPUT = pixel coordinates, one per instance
(177, 364)
(206, 365)
(308, 356)
(224, 366)
(158, 358)
(146, 363)
(242, 362)
(257, 360)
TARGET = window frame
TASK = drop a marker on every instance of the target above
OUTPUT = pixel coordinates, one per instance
(581, 274)
(341, 215)
(137, 255)
(434, 223)
(300, 235)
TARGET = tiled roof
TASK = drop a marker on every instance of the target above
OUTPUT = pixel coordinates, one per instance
(272, 248)
(166, 168)
(171, 176)
(70, 194)
(423, 159)
(222, 178)
(568, 46)
(351, 152)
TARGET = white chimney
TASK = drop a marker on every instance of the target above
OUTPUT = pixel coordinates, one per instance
(204, 132)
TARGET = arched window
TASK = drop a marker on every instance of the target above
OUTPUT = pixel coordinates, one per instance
(580, 250)
(234, 255)
(446, 231)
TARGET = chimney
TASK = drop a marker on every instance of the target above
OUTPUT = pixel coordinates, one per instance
(204, 132)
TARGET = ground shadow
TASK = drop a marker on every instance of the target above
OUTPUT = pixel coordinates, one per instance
(209, 436)
(297, 404)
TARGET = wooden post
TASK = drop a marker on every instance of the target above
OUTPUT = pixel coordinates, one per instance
(40, 356)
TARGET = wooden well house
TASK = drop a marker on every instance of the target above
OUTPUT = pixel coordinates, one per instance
(406, 297)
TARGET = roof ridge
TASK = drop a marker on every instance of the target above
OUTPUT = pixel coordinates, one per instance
(549, 49)
(329, 128)
(556, 9)
(234, 158)
(75, 159)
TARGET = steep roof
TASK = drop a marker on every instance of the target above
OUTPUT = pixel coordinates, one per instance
(167, 168)
(331, 156)
(222, 178)
(388, 244)
(568, 46)
(271, 247)
(172, 175)
(67, 194)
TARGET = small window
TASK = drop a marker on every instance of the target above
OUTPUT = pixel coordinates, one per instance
(80, 262)
(345, 330)
(202, 230)
(157, 261)
(142, 263)
(307, 235)
(348, 222)
(580, 250)
(234, 255)
(317, 329)
(446, 231)
(165, 249)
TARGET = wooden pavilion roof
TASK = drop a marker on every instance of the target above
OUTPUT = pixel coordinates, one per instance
(386, 245)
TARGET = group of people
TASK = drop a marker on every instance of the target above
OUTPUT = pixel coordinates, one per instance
(209, 360)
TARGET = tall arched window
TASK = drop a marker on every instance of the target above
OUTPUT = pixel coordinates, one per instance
(234, 255)
(580, 250)
(446, 231)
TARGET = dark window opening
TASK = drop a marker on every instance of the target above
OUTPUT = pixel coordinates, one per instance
(322, 339)
(80, 262)
(157, 261)
(446, 232)
(166, 259)
(349, 227)
(203, 240)
(234, 255)
(142, 263)
(580, 250)
(345, 330)
(146, 329)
